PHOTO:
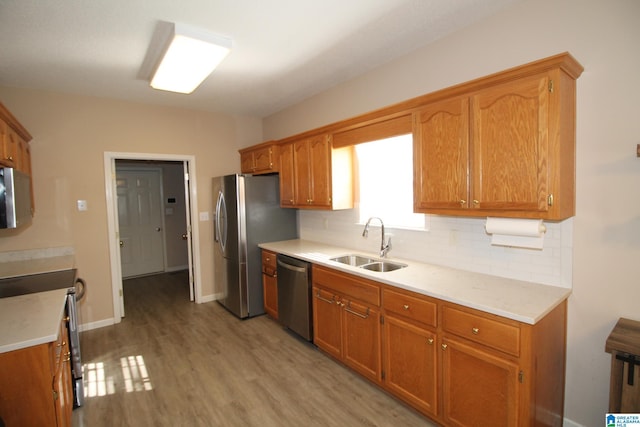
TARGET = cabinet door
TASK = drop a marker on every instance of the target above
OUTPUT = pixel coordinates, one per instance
(270, 290)
(302, 173)
(247, 164)
(62, 391)
(361, 346)
(478, 388)
(320, 169)
(441, 156)
(10, 147)
(263, 160)
(287, 176)
(410, 364)
(510, 145)
(327, 322)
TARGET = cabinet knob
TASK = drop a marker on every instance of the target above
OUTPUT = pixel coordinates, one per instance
(444, 346)
(475, 202)
(462, 202)
(430, 341)
(475, 331)
(406, 306)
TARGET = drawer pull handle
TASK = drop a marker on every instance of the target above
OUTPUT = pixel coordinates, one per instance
(475, 331)
(363, 316)
(330, 301)
(406, 306)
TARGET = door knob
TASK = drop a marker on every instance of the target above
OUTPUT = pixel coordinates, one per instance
(121, 243)
(158, 228)
(184, 236)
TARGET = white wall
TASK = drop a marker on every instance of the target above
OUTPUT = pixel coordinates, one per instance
(71, 133)
(605, 233)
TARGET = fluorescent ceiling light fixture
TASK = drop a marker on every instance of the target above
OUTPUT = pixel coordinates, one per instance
(190, 57)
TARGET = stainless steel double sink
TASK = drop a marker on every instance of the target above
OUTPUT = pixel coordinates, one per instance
(367, 263)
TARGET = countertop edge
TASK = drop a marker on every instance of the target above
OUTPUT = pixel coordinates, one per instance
(476, 294)
(49, 331)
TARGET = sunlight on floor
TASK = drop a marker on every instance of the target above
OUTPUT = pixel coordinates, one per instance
(98, 382)
(135, 374)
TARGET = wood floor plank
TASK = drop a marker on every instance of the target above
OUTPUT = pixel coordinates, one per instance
(171, 362)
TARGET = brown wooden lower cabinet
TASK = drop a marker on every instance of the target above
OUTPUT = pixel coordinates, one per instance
(346, 320)
(270, 283)
(35, 384)
(456, 365)
(478, 388)
(410, 367)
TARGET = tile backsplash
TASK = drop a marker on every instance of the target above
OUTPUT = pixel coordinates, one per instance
(451, 241)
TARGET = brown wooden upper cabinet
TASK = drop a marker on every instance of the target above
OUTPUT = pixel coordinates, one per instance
(15, 151)
(505, 148)
(313, 175)
(14, 143)
(260, 159)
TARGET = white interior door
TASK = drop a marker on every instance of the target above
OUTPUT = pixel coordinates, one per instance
(140, 221)
(187, 234)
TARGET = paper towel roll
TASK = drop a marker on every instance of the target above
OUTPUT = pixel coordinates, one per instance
(523, 233)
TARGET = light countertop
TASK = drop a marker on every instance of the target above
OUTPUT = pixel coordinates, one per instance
(31, 319)
(519, 300)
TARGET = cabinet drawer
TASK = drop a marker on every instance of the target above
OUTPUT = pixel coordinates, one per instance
(415, 308)
(269, 263)
(347, 286)
(482, 329)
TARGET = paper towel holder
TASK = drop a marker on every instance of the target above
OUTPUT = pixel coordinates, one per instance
(516, 232)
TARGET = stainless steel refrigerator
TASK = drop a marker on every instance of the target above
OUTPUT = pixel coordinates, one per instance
(247, 212)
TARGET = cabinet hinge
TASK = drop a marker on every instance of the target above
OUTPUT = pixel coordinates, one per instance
(382, 375)
(382, 320)
(551, 86)
(550, 200)
(521, 377)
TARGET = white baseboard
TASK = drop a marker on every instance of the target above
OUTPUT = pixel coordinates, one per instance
(96, 325)
(178, 268)
(211, 297)
(570, 423)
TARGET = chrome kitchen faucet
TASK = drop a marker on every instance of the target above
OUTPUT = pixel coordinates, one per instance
(384, 247)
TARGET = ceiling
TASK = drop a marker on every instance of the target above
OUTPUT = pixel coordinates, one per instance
(284, 51)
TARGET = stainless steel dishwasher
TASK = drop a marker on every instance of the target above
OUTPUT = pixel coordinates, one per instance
(294, 295)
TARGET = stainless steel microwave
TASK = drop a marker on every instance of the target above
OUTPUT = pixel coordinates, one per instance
(15, 198)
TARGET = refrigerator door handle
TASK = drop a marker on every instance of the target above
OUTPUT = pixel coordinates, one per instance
(216, 232)
(221, 222)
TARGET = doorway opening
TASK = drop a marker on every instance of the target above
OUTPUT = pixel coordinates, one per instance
(152, 219)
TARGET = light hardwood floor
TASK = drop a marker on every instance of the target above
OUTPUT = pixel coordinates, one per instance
(171, 362)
